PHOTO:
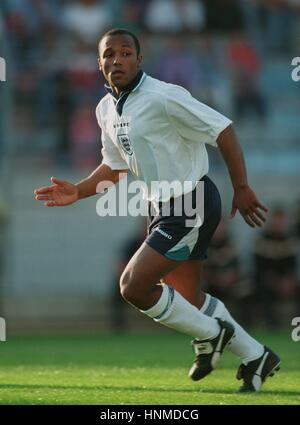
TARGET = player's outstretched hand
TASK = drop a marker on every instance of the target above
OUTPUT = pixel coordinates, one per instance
(250, 208)
(59, 194)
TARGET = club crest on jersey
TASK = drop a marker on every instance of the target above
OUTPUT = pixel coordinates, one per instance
(125, 143)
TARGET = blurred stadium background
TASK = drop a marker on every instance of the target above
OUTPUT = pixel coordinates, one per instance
(59, 267)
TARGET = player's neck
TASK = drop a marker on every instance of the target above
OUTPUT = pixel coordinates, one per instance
(119, 90)
(116, 90)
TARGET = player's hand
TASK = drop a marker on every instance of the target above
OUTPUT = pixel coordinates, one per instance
(250, 208)
(59, 194)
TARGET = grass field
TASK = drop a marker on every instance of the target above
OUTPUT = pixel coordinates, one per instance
(132, 369)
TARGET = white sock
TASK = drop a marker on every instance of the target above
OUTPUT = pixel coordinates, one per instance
(176, 312)
(242, 345)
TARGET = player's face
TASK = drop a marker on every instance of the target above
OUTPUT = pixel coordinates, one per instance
(118, 59)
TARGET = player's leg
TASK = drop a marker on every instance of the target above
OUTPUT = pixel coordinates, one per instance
(140, 278)
(140, 287)
(255, 357)
(171, 241)
(186, 279)
(258, 361)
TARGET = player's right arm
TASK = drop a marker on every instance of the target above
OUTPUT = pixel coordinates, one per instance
(109, 172)
(62, 193)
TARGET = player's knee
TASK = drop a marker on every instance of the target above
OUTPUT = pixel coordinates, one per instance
(124, 283)
(129, 288)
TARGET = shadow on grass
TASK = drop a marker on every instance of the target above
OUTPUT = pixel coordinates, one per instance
(146, 389)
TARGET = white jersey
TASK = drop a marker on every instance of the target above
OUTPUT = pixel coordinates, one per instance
(158, 131)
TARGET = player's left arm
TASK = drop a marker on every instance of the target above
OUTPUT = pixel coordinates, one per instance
(244, 198)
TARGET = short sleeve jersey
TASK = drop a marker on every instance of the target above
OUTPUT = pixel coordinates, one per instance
(158, 131)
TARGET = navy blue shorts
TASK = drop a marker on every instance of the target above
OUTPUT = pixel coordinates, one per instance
(169, 234)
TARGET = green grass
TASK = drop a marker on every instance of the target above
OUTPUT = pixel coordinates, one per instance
(132, 369)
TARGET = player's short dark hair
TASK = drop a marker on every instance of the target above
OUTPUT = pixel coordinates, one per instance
(117, 31)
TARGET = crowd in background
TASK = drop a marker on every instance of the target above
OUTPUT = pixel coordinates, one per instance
(214, 48)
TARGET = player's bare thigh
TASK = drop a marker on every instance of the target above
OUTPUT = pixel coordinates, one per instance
(139, 281)
(186, 279)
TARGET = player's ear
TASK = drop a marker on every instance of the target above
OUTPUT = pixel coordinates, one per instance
(139, 60)
(99, 65)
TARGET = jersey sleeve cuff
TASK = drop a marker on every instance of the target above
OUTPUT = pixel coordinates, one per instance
(114, 165)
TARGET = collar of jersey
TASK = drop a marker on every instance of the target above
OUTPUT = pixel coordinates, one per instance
(130, 88)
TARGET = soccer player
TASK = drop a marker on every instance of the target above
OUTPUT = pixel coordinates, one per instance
(158, 131)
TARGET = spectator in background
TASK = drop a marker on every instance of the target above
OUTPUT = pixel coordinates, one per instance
(250, 10)
(223, 16)
(29, 24)
(50, 57)
(271, 23)
(82, 81)
(245, 68)
(222, 269)
(214, 87)
(178, 65)
(81, 70)
(275, 257)
(277, 23)
(84, 137)
(175, 16)
(83, 21)
(26, 20)
(86, 19)
(132, 14)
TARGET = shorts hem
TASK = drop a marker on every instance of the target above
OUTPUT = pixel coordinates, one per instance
(200, 257)
(165, 253)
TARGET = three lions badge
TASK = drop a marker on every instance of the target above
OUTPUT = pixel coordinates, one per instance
(125, 143)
